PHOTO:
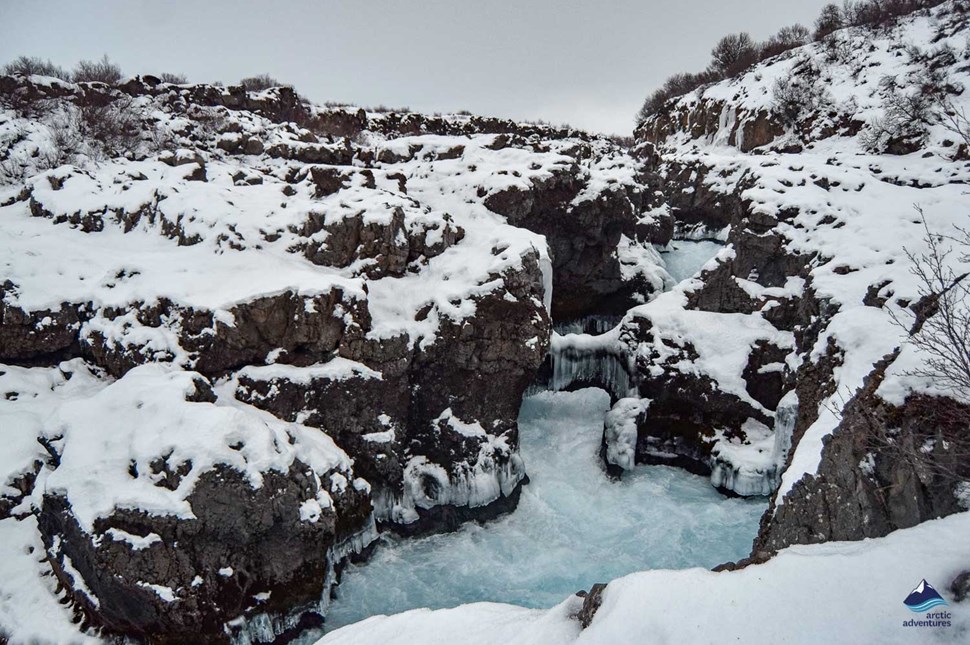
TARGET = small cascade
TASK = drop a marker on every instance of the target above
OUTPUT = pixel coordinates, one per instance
(577, 361)
(590, 325)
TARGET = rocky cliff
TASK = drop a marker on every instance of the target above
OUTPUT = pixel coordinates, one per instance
(827, 406)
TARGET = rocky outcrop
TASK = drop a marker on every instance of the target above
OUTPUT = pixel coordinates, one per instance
(716, 120)
(434, 430)
(332, 288)
(583, 234)
(885, 467)
(247, 551)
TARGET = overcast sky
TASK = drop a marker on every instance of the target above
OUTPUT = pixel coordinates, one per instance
(588, 63)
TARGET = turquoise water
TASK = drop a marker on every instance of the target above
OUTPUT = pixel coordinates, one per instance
(684, 258)
(573, 527)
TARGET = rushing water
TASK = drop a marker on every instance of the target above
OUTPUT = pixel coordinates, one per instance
(573, 527)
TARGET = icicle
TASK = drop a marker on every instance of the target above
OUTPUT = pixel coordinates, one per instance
(582, 360)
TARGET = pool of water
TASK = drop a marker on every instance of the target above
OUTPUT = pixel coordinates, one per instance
(684, 258)
(573, 527)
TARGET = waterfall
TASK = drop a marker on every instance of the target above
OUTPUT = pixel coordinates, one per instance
(582, 360)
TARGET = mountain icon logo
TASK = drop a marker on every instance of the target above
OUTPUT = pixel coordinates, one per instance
(923, 598)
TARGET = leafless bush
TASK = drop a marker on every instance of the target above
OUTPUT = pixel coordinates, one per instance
(102, 71)
(25, 103)
(260, 83)
(113, 127)
(174, 79)
(904, 126)
(19, 159)
(676, 85)
(954, 118)
(796, 97)
(786, 39)
(829, 20)
(733, 54)
(942, 329)
(880, 13)
(33, 66)
(383, 109)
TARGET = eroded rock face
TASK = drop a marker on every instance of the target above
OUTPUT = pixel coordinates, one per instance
(885, 467)
(432, 428)
(711, 118)
(303, 329)
(247, 551)
(583, 235)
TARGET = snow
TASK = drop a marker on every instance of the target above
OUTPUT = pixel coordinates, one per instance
(852, 213)
(620, 433)
(750, 467)
(336, 369)
(573, 526)
(796, 597)
(163, 592)
(109, 440)
(582, 360)
(29, 608)
(722, 341)
(136, 542)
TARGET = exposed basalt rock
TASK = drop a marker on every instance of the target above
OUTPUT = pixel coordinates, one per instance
(385, 245)
(710, 118)
(243, 545)
(883, 468)
(46, 335)
(960, 586)
(685, 408)
(303, 327)
(591, 604)
(434, 428)
(582, 238)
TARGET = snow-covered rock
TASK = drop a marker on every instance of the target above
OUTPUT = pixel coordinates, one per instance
(381, 282)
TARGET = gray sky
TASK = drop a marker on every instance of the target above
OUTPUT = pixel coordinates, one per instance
(586, 63)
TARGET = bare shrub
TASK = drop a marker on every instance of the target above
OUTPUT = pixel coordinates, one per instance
(829, 20)
(676, 85)
(954, 118)
(260, 83)
(798, 96)
(20, 160)
(114, 127)
(733, 54)
(904, 126)
(786, 39)
(102, 71)
(33, 66)
(942, 329)
(174, 79)
(25, 103)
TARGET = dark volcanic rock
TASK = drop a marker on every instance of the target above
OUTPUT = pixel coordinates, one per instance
(884, 467)
(242, 542)
(582, 239)
(304, 327)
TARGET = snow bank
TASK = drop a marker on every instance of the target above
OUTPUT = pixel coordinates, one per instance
(117, 445)
(797, 597)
